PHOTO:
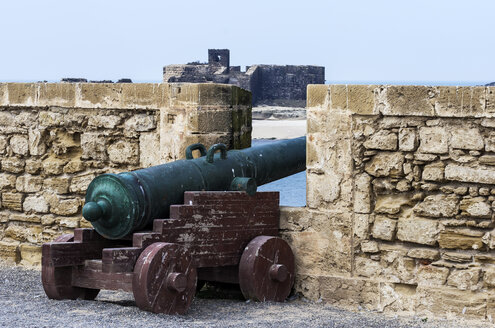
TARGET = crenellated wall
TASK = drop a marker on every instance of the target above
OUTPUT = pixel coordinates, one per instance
(55, 138)
(400, 209)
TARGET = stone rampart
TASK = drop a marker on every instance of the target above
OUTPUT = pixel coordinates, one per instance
(400, 209)
(55, 138)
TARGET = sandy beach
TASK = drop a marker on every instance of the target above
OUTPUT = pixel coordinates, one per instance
(278, 129)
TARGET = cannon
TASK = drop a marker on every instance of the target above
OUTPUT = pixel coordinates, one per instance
(118, 204)
(162, 231)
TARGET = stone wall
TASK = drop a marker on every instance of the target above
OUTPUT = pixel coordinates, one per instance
(400, 200)
(55, 138)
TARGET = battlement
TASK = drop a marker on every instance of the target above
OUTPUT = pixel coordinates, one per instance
(283, 85)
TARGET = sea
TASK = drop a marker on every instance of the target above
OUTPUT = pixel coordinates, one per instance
(292, 188)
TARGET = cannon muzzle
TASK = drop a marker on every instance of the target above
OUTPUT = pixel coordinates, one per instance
(118, 204)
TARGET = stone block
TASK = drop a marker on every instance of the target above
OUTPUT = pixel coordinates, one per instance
(30, 255)
(317, 95)
(396, 297)
(361, 225)
(424, 253)
(140, 123)
(489, 276)
(444, 300)
(123, 152)
(408, 139)
(385, 164)
(457, 257)
(59, 185)
(13, 165)
(9, 250)
(384, 228)
(321, 253)
(30, 233)
(466, 138)
(144, 95)
(22, 94)
(93, 146)
(408, 101)
(29, 183)
(12, 201)
(79, 183)
(487, 159)
(461, 239)
(33, 166)
(392, 203)
(348, 292)
(365, 267)
(369, 246)
(205, 121)
(433, 140)
(37, 146)
(465, 279)
(7, 181)
(461, 173)
(69, 222)
(50, 119)
(433, 172)
(438, 206)
(104, 121)
(98, 95)
(382, 140)
(417, 230)
(21, 217)
(3, 144)
(54, 165)
(36, 204)
(361, 99)
(459, 101)
(475, 207)
(56, 94)
(490, 100)
(429, 275)
(62, 206)
(74, 166)
(4, 99)
(362, 193)
(19, 144)
(322, 189)
(149, 143)
(338, 97)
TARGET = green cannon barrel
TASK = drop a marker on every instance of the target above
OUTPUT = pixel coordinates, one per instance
(118, 204)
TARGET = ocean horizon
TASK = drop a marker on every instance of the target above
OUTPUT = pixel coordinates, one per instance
(426, 83)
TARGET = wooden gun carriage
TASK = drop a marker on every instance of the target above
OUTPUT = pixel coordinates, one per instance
(215, 236)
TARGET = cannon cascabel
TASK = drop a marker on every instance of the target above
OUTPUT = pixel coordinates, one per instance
(119, 204)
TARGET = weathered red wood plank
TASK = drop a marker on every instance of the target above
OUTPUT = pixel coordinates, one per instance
(120, 259)
(68, 254)
(87, 278)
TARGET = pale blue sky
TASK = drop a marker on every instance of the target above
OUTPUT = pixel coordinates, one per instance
(357, 41)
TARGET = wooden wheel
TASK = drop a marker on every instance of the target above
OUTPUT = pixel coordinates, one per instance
(57, 281)
(164, 279)
(266, 269)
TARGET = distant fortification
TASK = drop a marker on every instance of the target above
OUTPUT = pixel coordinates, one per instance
(270, 84)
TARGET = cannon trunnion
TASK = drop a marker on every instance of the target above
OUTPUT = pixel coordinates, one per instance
(217, 236)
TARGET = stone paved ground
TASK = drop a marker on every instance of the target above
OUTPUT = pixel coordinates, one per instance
(24, 304)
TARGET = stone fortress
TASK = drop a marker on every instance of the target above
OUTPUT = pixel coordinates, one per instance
(269, 84)
(400, 213)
